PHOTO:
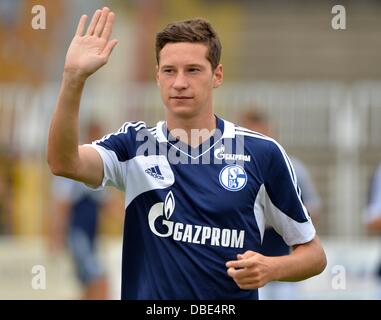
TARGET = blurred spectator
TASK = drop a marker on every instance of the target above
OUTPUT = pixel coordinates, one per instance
(6, 195)
(75, 222)
(273, 244)
(373, 213)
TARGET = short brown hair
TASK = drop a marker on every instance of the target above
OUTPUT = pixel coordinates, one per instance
(195, 31)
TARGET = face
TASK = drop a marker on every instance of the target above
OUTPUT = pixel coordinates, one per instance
(186, 79)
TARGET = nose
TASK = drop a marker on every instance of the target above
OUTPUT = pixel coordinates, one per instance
(180, 82)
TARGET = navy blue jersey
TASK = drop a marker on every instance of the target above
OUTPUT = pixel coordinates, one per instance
(273, 244)
(190, 210)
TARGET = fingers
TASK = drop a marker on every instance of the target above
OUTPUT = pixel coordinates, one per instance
(246, 279)
(241, 274)
(108, 27)
(237, 273)
(100, 25)
(81, 25)
(242, 261)
(93, 23)
(101, 22)
(109, 47)
(247, 254)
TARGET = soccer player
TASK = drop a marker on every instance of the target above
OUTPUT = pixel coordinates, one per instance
(273, 244)
(75, 222)
(199, 190)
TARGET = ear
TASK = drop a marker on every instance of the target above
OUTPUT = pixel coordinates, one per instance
(218, 76)
(157, 76)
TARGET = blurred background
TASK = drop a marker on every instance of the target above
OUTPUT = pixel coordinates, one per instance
(320, 87)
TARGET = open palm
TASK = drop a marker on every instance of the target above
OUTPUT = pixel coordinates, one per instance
(88, 52)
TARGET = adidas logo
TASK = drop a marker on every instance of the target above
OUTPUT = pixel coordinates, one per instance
(155, 172)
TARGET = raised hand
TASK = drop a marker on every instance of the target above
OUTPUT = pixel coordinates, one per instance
(88, 52)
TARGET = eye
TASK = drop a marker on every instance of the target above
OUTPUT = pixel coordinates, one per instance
(194, 70)
(168, 71)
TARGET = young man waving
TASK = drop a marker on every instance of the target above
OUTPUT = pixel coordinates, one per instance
(199, 190)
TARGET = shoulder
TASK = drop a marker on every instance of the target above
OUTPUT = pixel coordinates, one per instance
(258, 142)
(126, 140)
(128, 133)
(252, 136)
(266, 152)
(128, 128)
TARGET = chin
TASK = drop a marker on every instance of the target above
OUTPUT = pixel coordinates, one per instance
(183, 111)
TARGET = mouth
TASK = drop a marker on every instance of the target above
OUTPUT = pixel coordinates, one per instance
(181, 98)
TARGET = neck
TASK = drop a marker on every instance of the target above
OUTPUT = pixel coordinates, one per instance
(192, 131)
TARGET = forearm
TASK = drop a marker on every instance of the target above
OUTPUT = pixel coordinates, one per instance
(64, 133)
(305, 261)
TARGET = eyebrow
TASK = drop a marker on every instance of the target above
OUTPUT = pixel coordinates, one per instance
(195, 65)
(166, 66)
(192, 65)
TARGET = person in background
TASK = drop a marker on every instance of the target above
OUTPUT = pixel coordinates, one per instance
(75, 222)
(6, 191)
(273, 244)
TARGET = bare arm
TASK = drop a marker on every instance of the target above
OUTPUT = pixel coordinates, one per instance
(86, 54)
(253, 270)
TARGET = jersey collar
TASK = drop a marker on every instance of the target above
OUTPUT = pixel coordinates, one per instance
(227, 128)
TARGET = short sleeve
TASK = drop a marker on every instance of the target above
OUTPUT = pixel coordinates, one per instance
(283, 207)
(115, 150)
(113, 171)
